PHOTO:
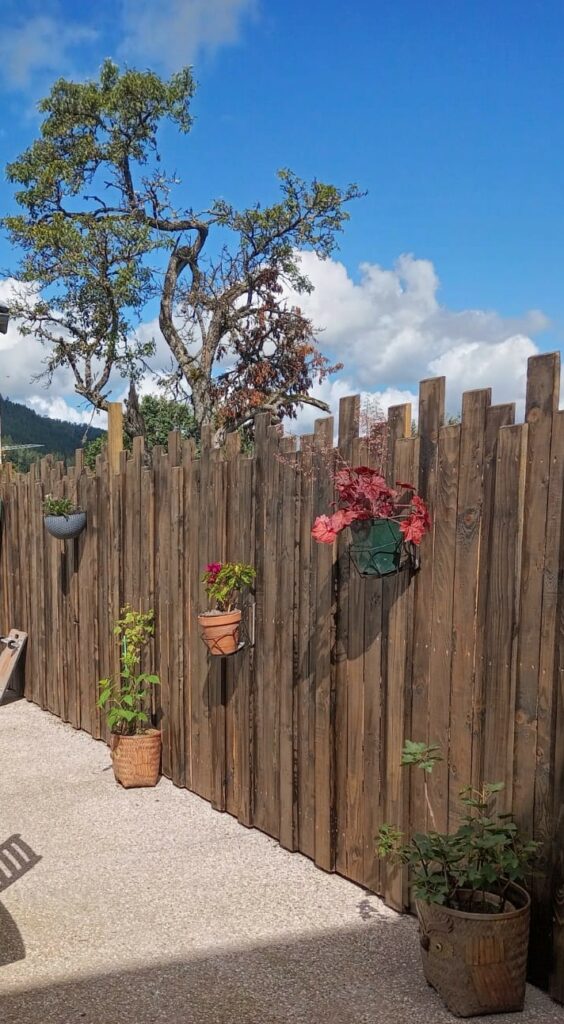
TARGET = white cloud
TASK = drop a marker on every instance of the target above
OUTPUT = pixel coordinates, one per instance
(390, 332)
(172, 35)
(41, 44)
(59, 409)
(388, 328)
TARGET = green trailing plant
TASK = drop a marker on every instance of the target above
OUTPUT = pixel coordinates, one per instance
(123, 699)
(59, 506)
(464, 869)
(224, 582)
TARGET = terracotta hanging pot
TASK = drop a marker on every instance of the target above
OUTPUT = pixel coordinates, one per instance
(220, 631)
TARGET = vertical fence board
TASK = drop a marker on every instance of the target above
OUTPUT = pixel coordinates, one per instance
(543, 383)
(431, 416)
(465, 599)
(320, 646)
(349, 421)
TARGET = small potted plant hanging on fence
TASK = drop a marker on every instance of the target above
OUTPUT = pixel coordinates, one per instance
(135, 745)
(62, 518)
(473, 913)
(383, 521)
(221, 625)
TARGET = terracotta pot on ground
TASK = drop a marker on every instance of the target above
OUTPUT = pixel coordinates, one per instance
(137, 759)
(477, 962)
(220, 631)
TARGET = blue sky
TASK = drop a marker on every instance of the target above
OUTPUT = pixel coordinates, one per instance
(449, 114)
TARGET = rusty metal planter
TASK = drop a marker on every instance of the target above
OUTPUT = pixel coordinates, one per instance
(476, 962)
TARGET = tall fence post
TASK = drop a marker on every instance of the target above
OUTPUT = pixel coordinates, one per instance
(115, 435)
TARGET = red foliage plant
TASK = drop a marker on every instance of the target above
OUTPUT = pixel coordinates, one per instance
(364, 494)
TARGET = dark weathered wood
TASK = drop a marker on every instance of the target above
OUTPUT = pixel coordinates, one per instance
(431, 416)
(284, 656)
(442, 624)
(465, 597)
(305, 726)
(502, 609)
(497, 416)
(543, 383)
(349, 421)
(321, 642)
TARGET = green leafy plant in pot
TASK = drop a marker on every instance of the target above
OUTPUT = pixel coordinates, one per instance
(62, 518)
(382, 520)
(220, 626)
(135, 744)
(473, 913)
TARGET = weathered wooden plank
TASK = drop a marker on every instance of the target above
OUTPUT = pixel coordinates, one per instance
(431, 417)
(176, 626)
(284, 648)
(349, 417)
(502, 610)
(217, 666)
(305, 724)
(442, 624)
(244, 683)
(321, 643)
(544, 825)
(354, 842)
(397, 610)
(543, 383)
(464, 611)
(496, 416)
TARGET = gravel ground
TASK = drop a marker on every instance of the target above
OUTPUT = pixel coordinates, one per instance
(147, 906)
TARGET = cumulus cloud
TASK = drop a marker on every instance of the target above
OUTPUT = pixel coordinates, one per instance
(388, 328)
(40, 45)
(172, 35)
(390, 331)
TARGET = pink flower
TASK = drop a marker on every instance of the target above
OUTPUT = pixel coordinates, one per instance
(322, 530)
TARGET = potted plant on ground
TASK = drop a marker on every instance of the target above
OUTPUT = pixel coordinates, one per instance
(382, 520)
(135, 746)
(473, 913)
(62, 518)
(221, 624)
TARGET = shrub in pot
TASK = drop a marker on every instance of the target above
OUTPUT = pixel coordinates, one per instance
(135, 746)
(473, 912)
(382, 520)
(221, 624)
(62, 518)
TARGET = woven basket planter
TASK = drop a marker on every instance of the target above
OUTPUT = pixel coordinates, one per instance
(65, 527)
(220, 632)
(476, 962)
(136, 759)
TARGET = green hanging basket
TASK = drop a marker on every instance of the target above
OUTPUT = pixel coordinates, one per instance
(377, 547)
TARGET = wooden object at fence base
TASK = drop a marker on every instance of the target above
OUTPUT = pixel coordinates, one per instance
(10, 681)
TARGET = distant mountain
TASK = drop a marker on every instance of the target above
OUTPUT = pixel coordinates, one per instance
(21, 425)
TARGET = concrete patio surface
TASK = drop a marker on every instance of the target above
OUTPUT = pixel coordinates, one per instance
(148, 906)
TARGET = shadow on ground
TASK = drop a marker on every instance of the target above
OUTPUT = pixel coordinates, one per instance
(326, 979)
(12, 946)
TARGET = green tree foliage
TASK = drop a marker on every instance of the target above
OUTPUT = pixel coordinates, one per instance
(160, 416)
(98, 221)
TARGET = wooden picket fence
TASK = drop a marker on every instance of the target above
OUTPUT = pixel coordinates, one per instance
(300, 734)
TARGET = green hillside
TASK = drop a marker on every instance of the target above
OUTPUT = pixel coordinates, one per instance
(21, 425)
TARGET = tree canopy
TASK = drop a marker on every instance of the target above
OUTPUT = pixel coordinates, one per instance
(102, 231)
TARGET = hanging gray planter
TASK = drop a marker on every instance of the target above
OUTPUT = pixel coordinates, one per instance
(65, 527)
(377, 547)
